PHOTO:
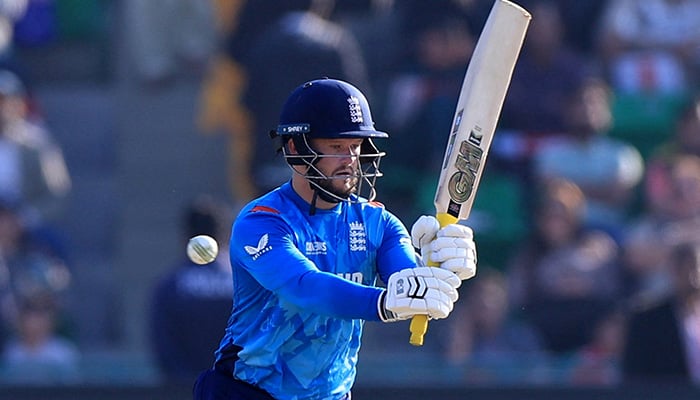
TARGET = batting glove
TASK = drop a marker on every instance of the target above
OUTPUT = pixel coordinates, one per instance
(452, 247)
(421, 290)
(423, 232)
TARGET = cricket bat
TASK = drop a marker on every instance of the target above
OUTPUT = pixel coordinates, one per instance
(476, 115)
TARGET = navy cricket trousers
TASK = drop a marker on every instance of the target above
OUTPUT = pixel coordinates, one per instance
(215, 384)
(218, 383)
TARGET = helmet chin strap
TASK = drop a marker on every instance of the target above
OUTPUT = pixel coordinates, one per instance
(312, 207)
(319, 192)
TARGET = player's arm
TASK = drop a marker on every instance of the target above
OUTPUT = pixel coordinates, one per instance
(265, 244)
(451, 247)
(395, 251)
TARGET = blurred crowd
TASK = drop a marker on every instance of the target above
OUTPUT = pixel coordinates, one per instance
(587, 218)
(35, 184)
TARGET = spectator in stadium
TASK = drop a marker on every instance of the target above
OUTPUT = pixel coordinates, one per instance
(663, 342)
(675, 208)
(685, 140)
(651, 46)
(33, 172)
(686, 135)
(245, 86)
(484, 336)
(670, 214)
(643, 261)
(547, 71)
(36, 340)
(191, 303)
(563, 276)
(606, 169)
(598, 362)
(38, 353)
(420, 101)
(26, 267)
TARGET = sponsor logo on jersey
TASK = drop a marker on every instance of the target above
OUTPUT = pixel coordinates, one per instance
(315, 248)
(260, 249)
(358, 237)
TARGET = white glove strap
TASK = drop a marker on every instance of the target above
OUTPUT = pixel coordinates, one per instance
(384, 314)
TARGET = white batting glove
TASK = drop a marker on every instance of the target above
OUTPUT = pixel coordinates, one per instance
(423, 232)
(418, 291)
(452, 247)
(455, 250)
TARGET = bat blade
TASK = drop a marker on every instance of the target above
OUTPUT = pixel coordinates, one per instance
(479, 107)
(476, 116)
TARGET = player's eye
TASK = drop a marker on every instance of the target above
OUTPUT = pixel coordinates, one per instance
(343, 148)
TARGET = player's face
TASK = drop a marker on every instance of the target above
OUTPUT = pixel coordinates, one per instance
(340, 163)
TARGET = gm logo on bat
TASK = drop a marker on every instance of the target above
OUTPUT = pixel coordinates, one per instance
(467, 164)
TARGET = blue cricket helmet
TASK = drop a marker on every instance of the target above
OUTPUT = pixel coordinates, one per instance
(327, 108)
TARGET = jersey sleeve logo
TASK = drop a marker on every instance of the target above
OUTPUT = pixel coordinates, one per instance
(260, 249)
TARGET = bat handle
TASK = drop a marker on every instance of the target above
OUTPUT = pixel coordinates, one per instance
(419, 323)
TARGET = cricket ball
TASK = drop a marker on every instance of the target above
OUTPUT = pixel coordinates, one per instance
(202, 249)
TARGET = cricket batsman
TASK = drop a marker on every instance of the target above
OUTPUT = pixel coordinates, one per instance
(307, 257)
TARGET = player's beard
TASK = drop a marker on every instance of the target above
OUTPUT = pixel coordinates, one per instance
(339, 185)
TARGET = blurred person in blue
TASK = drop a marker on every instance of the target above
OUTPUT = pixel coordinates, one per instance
(38, 353)
(34, 328)
(191, 303)
(26, 266)
(307, 257)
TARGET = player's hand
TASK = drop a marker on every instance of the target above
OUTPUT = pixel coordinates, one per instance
(421, 290)
(423, 232)
(452, 247)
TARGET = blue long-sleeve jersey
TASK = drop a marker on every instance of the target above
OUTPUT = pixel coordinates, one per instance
(303, 287)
